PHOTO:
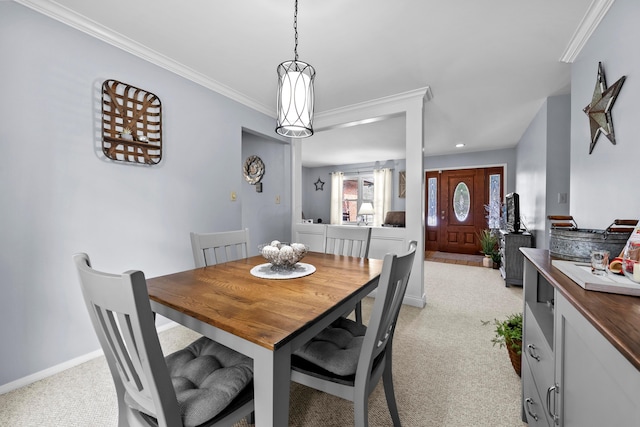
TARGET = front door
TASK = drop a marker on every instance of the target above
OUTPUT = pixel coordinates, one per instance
(456, 211)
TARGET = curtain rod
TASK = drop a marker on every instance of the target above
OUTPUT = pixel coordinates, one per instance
(360, 171)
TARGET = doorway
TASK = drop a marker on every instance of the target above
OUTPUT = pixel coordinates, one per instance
(455, 207)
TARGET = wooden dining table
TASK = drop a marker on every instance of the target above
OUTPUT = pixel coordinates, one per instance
(267, 319)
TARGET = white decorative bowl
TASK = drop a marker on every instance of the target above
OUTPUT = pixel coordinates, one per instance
(283, 255)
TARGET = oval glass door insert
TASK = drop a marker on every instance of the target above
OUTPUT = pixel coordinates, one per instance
(461, 201)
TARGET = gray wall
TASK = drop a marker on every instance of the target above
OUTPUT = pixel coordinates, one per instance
(60, 196)
(464, 160)
(266, 219)
(604, 185)
(316, 204)
(543, 167)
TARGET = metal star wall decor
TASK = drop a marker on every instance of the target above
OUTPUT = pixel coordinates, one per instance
(599, 111)
(319, 185)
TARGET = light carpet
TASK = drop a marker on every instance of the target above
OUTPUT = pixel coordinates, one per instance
(447, 372)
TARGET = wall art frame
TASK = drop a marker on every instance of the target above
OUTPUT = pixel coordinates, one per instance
(131, 124)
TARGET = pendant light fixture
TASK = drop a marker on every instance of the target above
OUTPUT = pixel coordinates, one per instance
(295, 93)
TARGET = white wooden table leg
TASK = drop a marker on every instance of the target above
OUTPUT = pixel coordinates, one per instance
(272, 382)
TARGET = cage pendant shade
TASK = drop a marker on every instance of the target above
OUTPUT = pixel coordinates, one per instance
(295, 99)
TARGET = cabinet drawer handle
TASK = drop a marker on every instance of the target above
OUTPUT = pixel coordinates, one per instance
(530, 349)
(529, 401)
(554, 417)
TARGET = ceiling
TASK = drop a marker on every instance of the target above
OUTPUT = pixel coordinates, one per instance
(489, 64)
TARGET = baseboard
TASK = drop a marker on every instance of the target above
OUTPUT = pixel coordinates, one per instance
(407, 300)
(29, 379)
(415, 302)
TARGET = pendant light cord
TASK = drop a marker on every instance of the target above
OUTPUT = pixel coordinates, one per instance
(295, 29)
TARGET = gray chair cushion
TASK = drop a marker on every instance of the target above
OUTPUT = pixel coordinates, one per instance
(207, 376)
(337, 348)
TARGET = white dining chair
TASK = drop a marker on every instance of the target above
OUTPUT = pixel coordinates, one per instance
(204, 384)
(347, 359)
(350, 241)
(347, 240)
(215, 248)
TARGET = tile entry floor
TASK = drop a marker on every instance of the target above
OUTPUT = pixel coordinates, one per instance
(451, 258)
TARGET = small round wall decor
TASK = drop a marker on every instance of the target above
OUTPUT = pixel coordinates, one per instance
(253, 169)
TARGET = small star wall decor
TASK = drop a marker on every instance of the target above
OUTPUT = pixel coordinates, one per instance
(599, 111)
(319, 185)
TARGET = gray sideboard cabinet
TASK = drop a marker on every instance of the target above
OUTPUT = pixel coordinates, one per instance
(580, 351)
(511, 257)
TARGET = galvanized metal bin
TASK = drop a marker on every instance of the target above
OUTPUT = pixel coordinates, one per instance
(575, 244)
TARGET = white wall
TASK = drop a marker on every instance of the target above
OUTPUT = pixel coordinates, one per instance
(604, 185)
(60, 196)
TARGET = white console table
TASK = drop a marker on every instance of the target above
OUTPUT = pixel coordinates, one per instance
(580, 351)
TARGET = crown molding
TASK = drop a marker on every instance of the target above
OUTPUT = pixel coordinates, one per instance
(597, 10)
(374, 110)
(423, 93)
(92, 28)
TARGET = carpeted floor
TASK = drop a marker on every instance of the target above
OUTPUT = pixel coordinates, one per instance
(447, 372)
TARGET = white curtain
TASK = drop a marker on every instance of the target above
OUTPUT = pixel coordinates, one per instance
(336, 197)
(382, 189)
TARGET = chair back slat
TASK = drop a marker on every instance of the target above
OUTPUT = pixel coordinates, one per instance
(347, 240)
(216, 248)
(392, 287)
(120, 311)
(128, 368)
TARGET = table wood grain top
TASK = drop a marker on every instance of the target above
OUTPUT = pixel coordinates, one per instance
(267, 312)
(616, 317)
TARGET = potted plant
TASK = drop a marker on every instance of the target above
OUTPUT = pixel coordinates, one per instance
(488, 244)
(496, 258)
(509, 334)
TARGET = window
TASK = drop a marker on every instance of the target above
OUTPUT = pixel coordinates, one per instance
(494, 209)
(356, 189)
(461, 201)
(432, 202)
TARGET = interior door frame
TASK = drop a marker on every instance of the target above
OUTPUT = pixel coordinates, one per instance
(428, 245)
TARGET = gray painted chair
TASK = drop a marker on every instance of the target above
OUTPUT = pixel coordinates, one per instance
(215, 248)
(348, 359)
(205, 384)
(351, 241)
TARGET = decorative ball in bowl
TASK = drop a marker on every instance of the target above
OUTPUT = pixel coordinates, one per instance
(283, 255)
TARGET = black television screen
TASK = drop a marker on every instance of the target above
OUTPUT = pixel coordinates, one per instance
(513, 212)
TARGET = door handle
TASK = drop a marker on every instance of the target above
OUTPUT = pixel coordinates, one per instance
(531, 350)
(442, 217)
(528, 402)
(553, 389)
